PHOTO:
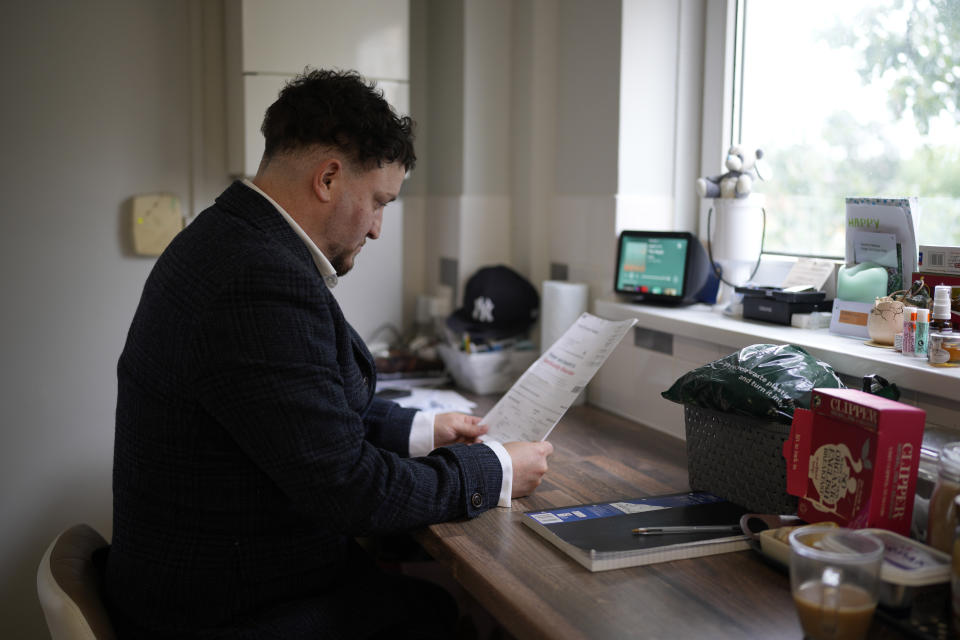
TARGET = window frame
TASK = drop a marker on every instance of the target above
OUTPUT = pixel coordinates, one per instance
(716, 124)
(723, 85)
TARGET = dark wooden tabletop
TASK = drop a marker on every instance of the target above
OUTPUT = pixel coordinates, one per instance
(537, 591)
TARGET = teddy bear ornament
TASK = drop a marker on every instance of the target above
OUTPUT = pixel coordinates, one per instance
(742, 166)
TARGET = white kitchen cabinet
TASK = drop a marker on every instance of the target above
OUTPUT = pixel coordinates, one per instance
(270, 41)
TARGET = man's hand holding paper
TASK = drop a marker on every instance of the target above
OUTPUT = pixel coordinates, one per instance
(537, 401)
(525, 415)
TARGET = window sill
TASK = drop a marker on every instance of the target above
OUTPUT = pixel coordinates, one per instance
(850, 356)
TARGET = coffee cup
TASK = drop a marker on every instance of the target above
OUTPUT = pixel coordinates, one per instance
(835, 580)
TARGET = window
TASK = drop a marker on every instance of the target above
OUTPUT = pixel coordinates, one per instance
(851, 98)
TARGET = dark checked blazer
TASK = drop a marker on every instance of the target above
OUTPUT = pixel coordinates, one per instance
(249, 445)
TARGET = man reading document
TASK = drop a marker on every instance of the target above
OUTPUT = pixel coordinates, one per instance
(250, 449)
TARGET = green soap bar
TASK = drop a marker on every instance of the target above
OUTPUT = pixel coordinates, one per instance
(862, 283)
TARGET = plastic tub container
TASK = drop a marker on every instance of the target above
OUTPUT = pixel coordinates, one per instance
(774, 544)
(908, 566)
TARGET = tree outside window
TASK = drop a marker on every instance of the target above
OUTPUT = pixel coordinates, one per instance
(853, 98)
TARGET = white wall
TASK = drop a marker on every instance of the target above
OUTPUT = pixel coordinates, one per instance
(534, 130)
(661, 83)
(463, 65)
(97, 108)
(582, 225)
(522, 118)
(437, 105)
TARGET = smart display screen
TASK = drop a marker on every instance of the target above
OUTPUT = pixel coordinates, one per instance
(652, 264)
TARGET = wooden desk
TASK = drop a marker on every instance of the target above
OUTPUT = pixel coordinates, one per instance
(537, 591)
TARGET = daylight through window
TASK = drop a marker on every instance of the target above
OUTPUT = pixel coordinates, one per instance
(852, 98)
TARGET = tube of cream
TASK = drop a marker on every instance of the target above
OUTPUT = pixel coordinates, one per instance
(921, 333)
(909, 330)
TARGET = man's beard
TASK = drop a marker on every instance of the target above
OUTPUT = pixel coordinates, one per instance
(343, 263)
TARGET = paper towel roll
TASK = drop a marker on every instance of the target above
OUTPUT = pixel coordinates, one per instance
(562, 304)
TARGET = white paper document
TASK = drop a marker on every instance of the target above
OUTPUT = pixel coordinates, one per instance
(809, 272)
(537, 401)
(875, 247)
(436, 401)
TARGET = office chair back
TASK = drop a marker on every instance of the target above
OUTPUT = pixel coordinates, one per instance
(68, 586)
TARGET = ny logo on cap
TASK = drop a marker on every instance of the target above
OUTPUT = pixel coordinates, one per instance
(483, 309)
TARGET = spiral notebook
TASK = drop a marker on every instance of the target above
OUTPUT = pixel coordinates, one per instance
(600, 535)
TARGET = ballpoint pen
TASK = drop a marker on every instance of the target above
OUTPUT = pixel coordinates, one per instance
(650, 531)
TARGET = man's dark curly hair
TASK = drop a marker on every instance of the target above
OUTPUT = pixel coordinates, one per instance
(339, 109)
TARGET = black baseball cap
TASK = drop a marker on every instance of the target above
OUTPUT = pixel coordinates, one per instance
(498, 303)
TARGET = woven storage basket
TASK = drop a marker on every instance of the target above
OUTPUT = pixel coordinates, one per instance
(738, 458)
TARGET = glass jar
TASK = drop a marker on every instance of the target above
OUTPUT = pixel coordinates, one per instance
(944, 347)
(942, 520)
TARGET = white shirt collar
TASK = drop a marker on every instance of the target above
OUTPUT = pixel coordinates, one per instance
(323, 265)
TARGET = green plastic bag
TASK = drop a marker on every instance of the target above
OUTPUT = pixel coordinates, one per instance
(762, 380)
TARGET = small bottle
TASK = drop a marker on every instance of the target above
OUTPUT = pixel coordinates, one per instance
(941, 521)
(936, 354)
(921, 333)
(941, 320)
(909, 327)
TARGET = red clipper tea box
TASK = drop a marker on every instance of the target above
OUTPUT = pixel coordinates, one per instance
(853, 459)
